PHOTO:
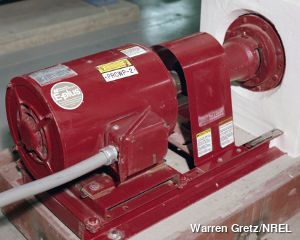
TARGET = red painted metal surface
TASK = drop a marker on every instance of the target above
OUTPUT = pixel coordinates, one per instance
(205, 69)
(243, 57)
(131, 113)
(136, 114)
(159, 202)
(255, 52)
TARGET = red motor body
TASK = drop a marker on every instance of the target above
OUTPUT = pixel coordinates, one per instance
(64, 114)
(126, 97)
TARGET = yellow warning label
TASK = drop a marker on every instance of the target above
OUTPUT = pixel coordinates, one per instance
(107, 67)
(226, 132)
(204, 142)
(203, 133)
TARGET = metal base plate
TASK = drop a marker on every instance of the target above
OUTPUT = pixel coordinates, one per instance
(158, 203)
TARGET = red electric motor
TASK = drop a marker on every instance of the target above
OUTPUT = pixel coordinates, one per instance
(64, 114)
(127, 97)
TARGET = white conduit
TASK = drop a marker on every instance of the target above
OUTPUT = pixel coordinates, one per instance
(106, 156)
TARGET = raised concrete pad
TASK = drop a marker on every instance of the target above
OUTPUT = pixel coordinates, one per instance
(8, 230)
(267, 195)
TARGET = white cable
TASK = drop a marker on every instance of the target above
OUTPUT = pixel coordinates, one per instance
(106, 156)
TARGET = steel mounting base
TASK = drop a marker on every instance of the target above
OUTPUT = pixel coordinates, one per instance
(172, 192)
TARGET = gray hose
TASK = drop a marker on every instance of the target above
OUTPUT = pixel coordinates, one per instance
(106, 156)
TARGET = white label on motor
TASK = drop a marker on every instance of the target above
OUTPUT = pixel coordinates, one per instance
(204, 142)
(120, 73)
(52, 74)
(67, 95)
(133, 51)
(226, 133)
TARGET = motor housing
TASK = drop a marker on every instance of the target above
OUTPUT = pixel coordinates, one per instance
(64, 114)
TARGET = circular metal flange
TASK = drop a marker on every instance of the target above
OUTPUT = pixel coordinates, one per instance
(270, 50)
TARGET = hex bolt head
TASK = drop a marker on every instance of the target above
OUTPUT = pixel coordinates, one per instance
(93, 224)
(115, 235)
(275, 77)
(83, 195)
(265, 27)
(220, 159)
(94, 186)
(116, 127)
(238, 150)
